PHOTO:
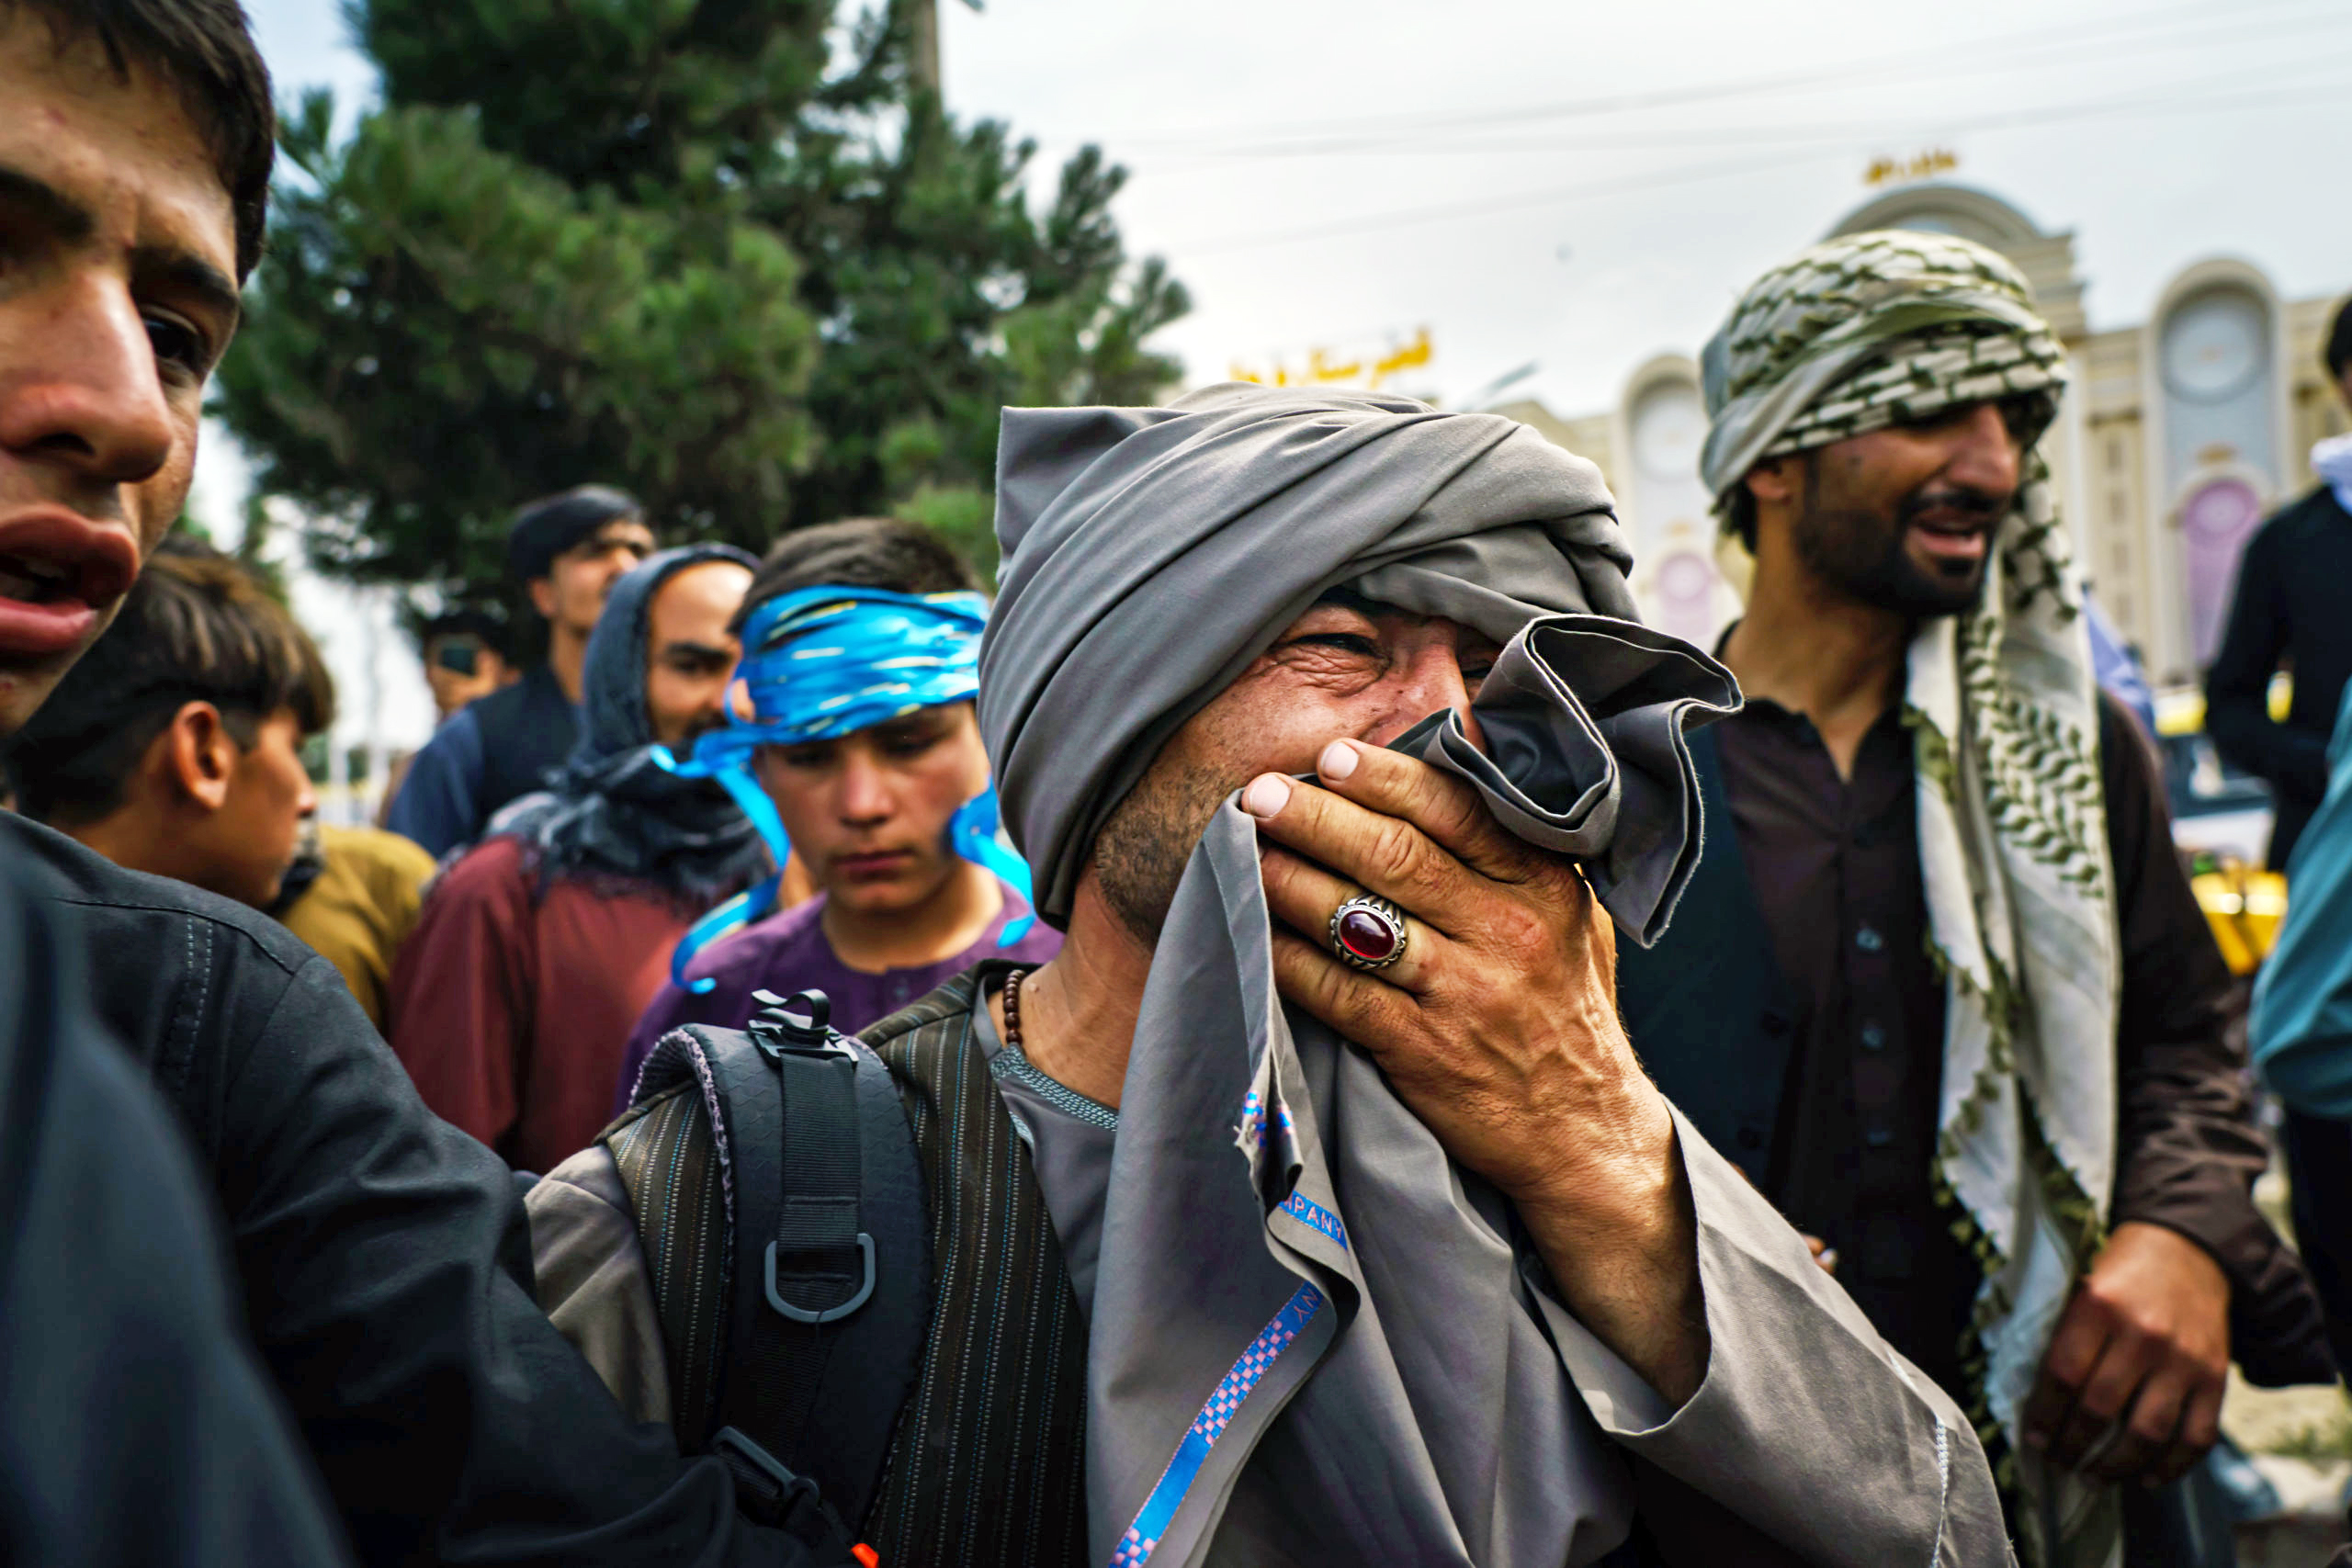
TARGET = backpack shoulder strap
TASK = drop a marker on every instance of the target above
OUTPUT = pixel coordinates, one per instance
(819, 1296)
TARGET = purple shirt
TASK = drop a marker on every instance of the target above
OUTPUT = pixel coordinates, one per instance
(788, 952)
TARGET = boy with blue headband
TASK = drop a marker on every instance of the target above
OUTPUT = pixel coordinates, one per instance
(855, 748)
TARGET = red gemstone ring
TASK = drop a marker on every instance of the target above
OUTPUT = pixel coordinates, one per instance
(1368, 932)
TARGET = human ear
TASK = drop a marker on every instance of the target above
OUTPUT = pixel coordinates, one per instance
(1773, 482)
(543, 597)
(199, 755)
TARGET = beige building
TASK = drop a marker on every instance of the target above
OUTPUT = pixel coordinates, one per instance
(2175, 439)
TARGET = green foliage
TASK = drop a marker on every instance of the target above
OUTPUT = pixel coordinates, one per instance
(722, 253)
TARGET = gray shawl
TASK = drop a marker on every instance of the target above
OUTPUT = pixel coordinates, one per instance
(1280, 1229)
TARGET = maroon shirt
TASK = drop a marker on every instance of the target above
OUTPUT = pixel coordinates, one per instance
(788, 953)
(509, 1007)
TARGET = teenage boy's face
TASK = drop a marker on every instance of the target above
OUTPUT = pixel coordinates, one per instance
(118, 294)
(246, 843)
(868, 813)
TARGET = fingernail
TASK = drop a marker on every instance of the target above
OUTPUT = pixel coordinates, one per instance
(1339, 760)
(1266, 795)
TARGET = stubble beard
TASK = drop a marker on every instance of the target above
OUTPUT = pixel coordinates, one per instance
(1860, 551)
(1144, 846)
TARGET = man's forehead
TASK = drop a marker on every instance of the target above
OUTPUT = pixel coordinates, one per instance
(619, 530)
(119, 146)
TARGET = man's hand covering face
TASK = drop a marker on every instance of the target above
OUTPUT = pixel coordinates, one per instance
(1152, 553)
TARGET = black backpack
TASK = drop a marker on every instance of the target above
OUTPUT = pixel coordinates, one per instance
(794, 1310)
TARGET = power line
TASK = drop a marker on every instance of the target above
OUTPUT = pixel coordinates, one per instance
(1371, 222)
(2100, 37)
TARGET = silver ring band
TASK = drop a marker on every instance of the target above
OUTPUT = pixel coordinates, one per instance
(1368, 932)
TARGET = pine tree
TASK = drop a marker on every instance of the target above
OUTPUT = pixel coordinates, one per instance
(726, 253)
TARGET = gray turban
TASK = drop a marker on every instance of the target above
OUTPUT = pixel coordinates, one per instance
(1152, 553)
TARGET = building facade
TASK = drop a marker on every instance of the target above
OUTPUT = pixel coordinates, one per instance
(2175, 439)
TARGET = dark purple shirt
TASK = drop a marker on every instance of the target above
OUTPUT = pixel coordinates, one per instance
(788, 952)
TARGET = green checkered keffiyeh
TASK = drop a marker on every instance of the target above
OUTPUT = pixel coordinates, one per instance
(1866, 332)
(1854, 336)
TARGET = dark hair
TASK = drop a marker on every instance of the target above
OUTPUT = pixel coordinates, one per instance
(195, 627)
(1739, 514)
(864, 552)
(553, 523)
(204, 48)
(2339, 351)
(486, 630)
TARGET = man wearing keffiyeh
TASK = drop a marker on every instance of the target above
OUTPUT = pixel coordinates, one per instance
(1961, 1018)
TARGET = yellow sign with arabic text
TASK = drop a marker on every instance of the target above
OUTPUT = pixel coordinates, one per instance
(1902, 170)
(1325, 369)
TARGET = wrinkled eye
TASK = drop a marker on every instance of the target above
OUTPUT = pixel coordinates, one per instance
(1347, 642)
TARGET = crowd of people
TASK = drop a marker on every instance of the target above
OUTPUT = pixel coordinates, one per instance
(1290, 1028)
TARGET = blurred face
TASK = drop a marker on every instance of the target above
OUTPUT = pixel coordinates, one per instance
(444, 671)
(118, 294)
(868, 813)
(572, 593)
(1342, 671)
(689, 654)
(1903, 518)
(241, 846)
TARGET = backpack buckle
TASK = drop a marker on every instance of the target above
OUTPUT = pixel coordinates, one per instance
(830, 1313)
(799, 1022)
(776, 1498)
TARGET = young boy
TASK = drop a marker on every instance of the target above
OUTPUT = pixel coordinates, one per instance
(175, 746)
(869, 810)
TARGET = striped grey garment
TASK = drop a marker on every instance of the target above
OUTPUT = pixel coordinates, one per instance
(988, 1469)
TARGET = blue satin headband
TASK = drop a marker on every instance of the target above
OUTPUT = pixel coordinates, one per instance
(819, 663)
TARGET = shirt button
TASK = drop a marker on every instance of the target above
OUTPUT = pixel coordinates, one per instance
(1878, 1137)
(1874, 1036)
(1868, 939)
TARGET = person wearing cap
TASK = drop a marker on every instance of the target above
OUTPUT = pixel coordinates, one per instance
(567, 550)
(539, 946)
(869, 794)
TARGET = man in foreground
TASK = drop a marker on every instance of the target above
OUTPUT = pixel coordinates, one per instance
(1940, 985)
(867, 794)
(512, 1001)
(1411, 1263)
(378, 1251)
(567, 551)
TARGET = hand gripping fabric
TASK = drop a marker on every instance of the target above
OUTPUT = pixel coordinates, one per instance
(818, 664)
(822, 1282)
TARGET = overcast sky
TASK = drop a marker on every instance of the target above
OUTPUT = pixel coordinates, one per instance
(1579, 186)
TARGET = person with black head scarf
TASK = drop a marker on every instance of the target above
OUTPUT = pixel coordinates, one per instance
(511, 1001)
(567, 551)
